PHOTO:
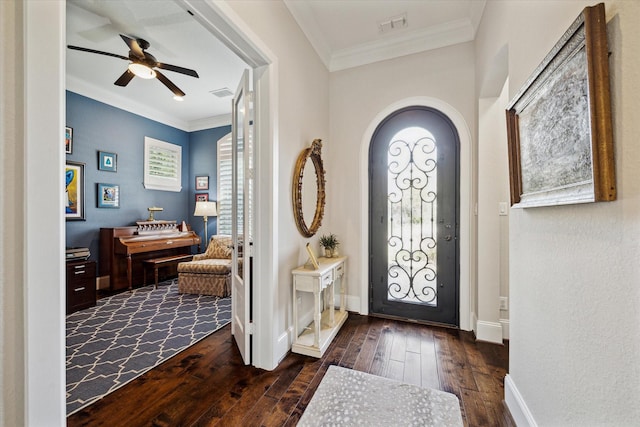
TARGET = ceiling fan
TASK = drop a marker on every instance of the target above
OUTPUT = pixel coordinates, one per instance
(143, 65)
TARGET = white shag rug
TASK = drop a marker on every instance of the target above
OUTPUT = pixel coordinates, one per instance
(348, 398)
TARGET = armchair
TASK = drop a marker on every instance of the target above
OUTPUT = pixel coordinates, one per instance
(208, 273)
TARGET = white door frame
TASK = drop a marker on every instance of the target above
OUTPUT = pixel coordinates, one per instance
(220, 19)
(42, 382)
(466, 200)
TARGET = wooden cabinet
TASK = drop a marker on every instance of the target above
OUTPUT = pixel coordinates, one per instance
(315, 339)
(81, 285)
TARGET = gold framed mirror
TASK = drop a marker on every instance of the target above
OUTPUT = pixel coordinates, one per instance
(309, 197)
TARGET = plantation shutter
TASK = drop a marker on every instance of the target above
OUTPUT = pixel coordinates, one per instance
(224, 185)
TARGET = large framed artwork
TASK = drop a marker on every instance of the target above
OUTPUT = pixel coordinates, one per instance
(74, 191)
(559, 128)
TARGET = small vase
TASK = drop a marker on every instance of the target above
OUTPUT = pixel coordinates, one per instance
(327, 253)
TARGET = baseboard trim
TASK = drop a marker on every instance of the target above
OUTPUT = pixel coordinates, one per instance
(516, 404)
(283, 345)
(505, 328)
(489, 331)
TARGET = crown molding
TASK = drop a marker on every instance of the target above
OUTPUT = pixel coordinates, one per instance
(303, 15)
(448, 34)
(83, 88)
(406, 43)
(210, 122)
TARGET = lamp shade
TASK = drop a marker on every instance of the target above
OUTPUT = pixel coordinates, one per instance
(205, 209)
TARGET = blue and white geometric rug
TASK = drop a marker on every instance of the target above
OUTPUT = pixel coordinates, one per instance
(128, 334)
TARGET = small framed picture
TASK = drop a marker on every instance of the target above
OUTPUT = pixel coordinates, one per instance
(107, 161)
(68, 140)
(202, 197)
(108, 195)
(202, 182)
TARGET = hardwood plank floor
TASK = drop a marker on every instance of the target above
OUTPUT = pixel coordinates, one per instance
(208, 385)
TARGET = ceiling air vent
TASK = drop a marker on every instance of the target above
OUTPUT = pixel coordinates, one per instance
(222, 93)
(394, 23)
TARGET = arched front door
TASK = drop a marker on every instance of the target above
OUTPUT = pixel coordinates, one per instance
(414, 217)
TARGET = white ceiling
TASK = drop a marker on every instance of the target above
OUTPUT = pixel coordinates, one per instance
(344, 33)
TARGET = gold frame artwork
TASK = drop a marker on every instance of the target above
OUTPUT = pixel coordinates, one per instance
(559, 125)
(312, 153)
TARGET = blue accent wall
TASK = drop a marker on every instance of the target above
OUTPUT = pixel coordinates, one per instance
(101, 127)
(204, 154)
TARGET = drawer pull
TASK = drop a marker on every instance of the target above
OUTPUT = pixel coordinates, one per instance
(79, 289)
(79, 266)
(78, 272)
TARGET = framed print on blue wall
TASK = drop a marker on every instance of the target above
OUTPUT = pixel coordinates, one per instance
(68, 140)
(74, 191)
(202, 182)
(108, 195)
(107, 161)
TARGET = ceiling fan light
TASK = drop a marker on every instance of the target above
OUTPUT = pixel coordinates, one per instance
(178, 98)
(142, 71)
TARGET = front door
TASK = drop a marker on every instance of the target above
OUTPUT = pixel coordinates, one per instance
(413, 208)
(241, 224)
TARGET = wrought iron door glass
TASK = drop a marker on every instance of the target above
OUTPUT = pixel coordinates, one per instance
(412, 199)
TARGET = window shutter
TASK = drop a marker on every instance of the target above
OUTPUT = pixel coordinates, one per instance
(224, 185)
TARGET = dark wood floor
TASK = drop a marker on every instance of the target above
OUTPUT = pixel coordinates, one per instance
(207, 384)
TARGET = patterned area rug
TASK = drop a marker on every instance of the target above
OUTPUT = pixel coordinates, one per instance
(128, 334)
(347, 398)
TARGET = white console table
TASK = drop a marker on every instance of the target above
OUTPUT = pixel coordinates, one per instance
(314, 340)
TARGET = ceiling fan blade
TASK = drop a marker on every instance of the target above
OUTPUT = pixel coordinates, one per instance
(134, 46)
(99, 52)
(125, 78)
(177, 69)
(173, 88)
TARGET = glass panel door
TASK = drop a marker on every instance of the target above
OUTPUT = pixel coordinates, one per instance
(413, 162)
(241, 224)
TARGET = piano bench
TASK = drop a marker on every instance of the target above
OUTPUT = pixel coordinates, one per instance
(157, 263)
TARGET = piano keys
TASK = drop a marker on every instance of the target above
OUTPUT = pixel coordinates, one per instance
(122, 250)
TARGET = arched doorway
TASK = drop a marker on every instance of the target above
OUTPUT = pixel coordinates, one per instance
(414, 217)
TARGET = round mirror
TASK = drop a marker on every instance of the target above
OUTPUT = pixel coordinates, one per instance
(309, 192)
(308, 189)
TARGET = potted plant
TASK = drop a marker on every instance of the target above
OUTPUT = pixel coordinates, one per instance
(330, 244)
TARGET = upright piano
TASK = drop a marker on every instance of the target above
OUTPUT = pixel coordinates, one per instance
(122, 249)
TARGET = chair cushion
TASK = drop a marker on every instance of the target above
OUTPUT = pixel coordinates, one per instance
(206, 266)
(219, 247)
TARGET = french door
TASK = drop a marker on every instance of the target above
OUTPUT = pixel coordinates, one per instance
(413, 208)
(241, 214)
